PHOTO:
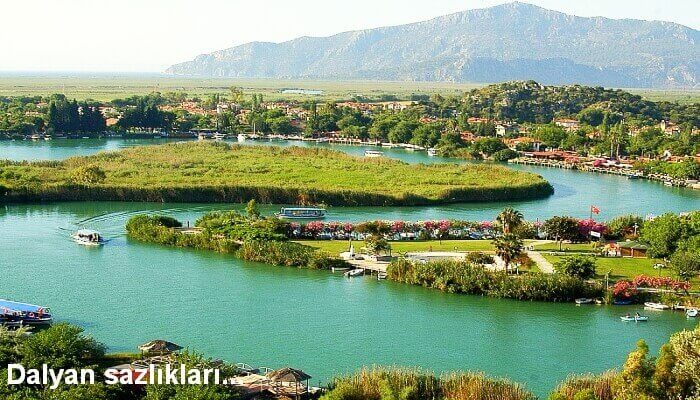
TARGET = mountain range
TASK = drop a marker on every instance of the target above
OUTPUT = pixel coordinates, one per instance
(514, 41)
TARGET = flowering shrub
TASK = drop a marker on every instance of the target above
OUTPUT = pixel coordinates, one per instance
(658, 282)
(586, 226)
(624, 289)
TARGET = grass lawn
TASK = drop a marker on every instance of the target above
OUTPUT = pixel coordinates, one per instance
(626, 268)
(567, 247)
(337, 246)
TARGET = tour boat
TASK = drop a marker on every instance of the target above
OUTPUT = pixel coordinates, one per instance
(88, 237)
(692, 312)
(656, 306)
(355, 272)
(583, 301)
(432, 152)
(29, 314)
(640, 318)
(373, 153)
(301, 213)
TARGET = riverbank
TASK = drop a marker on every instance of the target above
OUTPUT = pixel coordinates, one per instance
(218, 172)
(628, 173)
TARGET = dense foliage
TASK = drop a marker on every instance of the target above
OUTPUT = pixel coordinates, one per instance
(464, 277)
(211, 172)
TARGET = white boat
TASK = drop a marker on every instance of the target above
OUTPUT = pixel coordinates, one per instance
(381, 275)
(692, 312)
(354, 272)
(241, 137)
(655, 306)
(639, 318)
(432, 152)
(583, 301)
(88, 237)
(373, 153)
(302, 213)
(668, 183)
(219, 136)
(339, 269)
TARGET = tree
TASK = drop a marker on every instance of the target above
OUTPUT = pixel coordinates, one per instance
(635, 379)
(624, 226)
(661, 235)
(375, 244)
(508, 248)
(509, 219)
(251, 209)
(561, 229)
(577, 266)
(60, 346)
(686, 264)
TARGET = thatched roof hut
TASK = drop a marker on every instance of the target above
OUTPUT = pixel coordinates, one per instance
(160, 346)
(288, 375)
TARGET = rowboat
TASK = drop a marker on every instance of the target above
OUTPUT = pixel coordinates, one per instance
(655, 306)
(692, 312)
(583, 301)
(621, 302)
(635, 318)
(355, 272)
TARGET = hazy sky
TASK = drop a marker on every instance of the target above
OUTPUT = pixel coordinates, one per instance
(149, 35)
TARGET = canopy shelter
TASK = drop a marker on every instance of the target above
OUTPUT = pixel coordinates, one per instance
(159, 347)
(287, 381)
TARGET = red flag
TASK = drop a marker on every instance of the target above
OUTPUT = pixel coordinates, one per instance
(595, 210)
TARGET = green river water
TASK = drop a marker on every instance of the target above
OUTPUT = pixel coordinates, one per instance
(126, 293)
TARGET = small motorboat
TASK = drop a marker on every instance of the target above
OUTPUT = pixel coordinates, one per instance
(301, 213)
(599, 301)
(655, 306)
(381, 275)
(355, 272)
(583, 301)
(622, 302)
(692, 312)
(373, 154)
(635, 318)
(432, 152)
(88, 237)
(339, 269)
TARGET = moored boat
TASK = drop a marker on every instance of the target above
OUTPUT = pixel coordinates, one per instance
(373, 153)
(583, 301)
(432, 152)
(354, 272)
(28, 314)
(302, 213)
(219, 136)
(381, 275)
(655, 306)
(88, 237)
(692, 312)
(622, 302)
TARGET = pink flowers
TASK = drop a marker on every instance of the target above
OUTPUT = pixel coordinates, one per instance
(586, 226)
(627, 289)
(398, 226)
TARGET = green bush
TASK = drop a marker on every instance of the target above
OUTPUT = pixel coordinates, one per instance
(578, 266)
(464, 277)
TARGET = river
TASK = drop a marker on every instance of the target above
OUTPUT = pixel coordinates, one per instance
(126, 293)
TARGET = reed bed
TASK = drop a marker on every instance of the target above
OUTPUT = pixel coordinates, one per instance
(218, 172)
(600, 386)
(379, 383)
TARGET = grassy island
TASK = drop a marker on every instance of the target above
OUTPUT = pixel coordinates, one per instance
(218, 172)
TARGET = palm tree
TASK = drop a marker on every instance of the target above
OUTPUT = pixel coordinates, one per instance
(509, 219)
(508, 248)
